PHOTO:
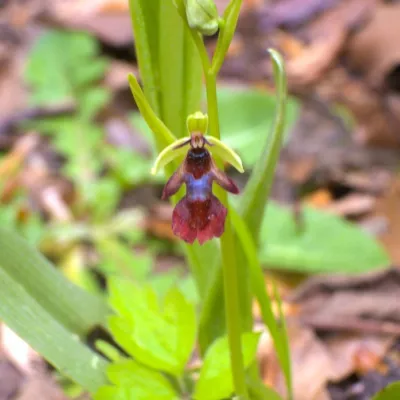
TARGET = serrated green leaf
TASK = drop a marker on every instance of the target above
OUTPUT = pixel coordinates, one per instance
(391, 392)
(181, 314)
(142, 382)
(159, 338)
(215, 381)
(326, 244)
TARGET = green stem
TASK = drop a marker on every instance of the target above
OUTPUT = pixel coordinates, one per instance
(229, 263)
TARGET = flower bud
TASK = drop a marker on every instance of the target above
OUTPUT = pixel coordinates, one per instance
(197, 122)
(202, 15)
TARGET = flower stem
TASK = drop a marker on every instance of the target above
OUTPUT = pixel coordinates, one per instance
(229, 263)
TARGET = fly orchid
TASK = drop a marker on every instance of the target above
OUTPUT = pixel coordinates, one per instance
(199, 214)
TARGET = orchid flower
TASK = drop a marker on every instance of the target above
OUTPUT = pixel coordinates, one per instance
(199, 214)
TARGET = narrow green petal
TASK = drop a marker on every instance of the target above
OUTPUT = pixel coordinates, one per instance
(225, 153)
(169, 154)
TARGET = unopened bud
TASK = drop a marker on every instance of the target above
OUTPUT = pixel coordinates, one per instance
(202, 15)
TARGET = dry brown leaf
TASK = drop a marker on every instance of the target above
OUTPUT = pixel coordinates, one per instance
(365, 303)
(388, 207)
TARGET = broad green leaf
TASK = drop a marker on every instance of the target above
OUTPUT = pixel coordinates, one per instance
(215, 381)
(325, 244)
(391, 392)
(161, 338)
(58, 297)
(180, 313)
(276, 328)
(134, 393)
(247, 117)
(39, 327)
(137, 381)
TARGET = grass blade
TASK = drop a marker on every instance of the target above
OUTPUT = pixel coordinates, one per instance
(145, 23)
(257, 190)
(57, 296)
(25, 316)
(276, 329)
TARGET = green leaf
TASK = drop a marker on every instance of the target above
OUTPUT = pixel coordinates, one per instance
(258, 391)
(326, 244)
(58, 297)
(137, 381)
(227, 30)
(159, 338)
(391, 392)
(215, 381)
(246, 119)
(276, 328)
(71, 64)
(129, 168)
(163, 136)
(118, 259)
(102, 196)
(33, 323)
(93, 100)
(168, 62)
(179, 69)
(145, 23)
(258, 187)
